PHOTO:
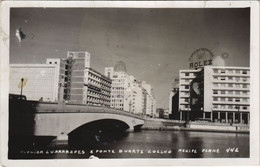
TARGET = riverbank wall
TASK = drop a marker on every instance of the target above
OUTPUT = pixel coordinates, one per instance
(163, 124)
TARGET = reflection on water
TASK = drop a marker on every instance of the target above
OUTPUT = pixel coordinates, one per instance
(149, 144)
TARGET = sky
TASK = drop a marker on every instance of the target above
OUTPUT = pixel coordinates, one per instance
(154, 43)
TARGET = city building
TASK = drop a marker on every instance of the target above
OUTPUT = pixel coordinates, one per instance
(166, 114)
(37, 81)
(70, 80)
(174, 100)
(215, 93)
(159, 113)
(174, 104)
(85, 85)
(129, 94)
(120, 83)
(227, 94)
(186, 77)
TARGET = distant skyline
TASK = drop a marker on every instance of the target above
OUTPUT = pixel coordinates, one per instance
(154, 43)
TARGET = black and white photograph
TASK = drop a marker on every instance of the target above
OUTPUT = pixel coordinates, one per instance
(130, 83)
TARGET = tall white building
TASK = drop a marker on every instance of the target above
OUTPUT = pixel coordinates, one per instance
(85, 85)
(129, 94)
(70, 80)
(120, 84)
(227, 93)
(186, 77)
(215, 93)
(40, 81)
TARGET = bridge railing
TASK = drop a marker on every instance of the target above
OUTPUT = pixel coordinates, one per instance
(50, 107)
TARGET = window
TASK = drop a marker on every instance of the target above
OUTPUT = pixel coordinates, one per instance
(187, 74)
(223, 71)
(215, 71)
(237, 79)
(237, 100)
(244, 79)
(230, 99)
(222, 99)
(187, 87)
(237, 85)
(244, 86)
(230, 85)
(237, 92)
(215, 85)
(186, 100)
(223, 85)
(186, 106)
(230, 71)
(230, 92)
(187, 80)
(215, 92)
(222, 92)
(244, 100)
(245, 107)
(215, 78)
(230, 78)
(230, 106)
(215, 99)
(222, 78)
(244, 92)
(237, 71)
(187, 93)
(222, 106)
(244, 72)
(215, 106)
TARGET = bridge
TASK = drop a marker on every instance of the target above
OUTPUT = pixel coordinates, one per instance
(60, 119)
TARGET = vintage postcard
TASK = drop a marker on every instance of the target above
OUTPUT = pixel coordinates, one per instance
(127, 83)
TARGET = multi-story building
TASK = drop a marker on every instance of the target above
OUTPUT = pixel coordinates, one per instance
(40, 81)
(153, 106)
(98, 88)
(174, 100)
(174, 104)
(85, 85)
(129, 94)
(61, 63)
(227, 93)
(120, 83)
(70, 80)
(215, 93)
(75, 89)
(185, 78)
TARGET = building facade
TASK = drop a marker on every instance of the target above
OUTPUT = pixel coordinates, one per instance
(40, 81)
(186, 77)
(227, 93)
(85, 85)
(75, 90)
(129, 94)
(70, 80)
(215, 93)
(174, 104)
(98, 88)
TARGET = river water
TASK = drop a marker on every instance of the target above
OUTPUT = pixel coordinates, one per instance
(148, 144)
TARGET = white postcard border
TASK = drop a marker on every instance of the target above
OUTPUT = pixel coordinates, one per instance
(254, 81)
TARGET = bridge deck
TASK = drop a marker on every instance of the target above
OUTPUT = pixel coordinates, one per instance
(50, 107)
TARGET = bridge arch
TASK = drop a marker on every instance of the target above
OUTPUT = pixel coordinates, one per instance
(61, 124)
(97, 133)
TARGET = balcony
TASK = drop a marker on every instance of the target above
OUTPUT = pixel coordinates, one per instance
(231, 102)
(230, 95)
(230, 110)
